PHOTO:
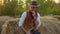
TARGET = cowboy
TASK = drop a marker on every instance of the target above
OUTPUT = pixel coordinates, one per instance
(30, 20)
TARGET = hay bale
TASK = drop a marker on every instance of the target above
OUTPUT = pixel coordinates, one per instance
(58, 17)
(10, 27)
(1, 23)
(3, 19)
(50, 25)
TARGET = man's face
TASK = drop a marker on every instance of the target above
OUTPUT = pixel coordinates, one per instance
(34, 8)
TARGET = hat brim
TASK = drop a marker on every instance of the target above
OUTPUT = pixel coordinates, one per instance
(34, 5)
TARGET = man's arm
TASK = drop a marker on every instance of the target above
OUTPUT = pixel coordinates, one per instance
(39, 21)
(23, 16)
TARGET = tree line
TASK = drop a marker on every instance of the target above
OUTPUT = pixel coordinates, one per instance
(13, 8)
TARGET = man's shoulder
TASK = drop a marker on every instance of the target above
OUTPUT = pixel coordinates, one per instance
(24, 12)
(38, 13)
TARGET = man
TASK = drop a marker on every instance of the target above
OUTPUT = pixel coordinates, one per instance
(30, 20)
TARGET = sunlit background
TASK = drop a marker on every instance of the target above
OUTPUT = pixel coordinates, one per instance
(57, 1)
(2, 1)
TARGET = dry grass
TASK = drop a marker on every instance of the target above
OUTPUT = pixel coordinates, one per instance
(10, 27)
(3, 19)
(49, 25)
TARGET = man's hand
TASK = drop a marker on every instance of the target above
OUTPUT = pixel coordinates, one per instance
(36, 22)
(28, 32)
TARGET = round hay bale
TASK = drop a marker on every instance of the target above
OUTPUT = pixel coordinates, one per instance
(3, 19)
(58, 17)
(10, 27)
(50, 25)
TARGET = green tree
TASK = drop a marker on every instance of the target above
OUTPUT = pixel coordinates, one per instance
(9, 8)
(28, 2)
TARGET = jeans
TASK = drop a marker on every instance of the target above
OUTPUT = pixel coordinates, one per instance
(35, 32)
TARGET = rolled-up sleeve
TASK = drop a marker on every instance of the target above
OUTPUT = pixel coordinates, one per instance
(21, 21)
(39, 21)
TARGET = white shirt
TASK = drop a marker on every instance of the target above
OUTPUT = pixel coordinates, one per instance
(23, 16)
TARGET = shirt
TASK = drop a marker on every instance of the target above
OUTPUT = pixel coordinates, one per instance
(23, 16)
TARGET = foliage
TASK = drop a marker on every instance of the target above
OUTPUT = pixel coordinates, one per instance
(14, 9)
